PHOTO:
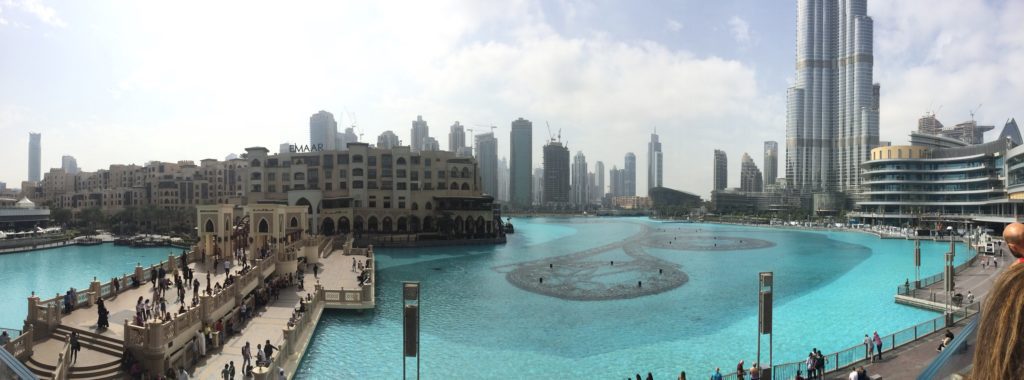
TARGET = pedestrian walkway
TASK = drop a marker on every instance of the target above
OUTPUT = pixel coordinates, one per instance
(907, 361)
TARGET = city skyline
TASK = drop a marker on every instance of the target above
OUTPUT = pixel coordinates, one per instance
(147, 104)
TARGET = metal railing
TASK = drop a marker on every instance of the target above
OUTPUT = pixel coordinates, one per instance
(956, 357)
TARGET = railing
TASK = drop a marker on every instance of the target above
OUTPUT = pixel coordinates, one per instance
(289, 340)
(21, 344)
(63, 362)
(909, 290)
(956, 357)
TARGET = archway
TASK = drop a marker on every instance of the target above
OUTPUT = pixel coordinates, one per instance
(209, 226)
(327, 227)
(429, 206)
(481, 227)
(264, 227)
(386, 225)
(371, 224)
(357, 225)
(305, 202)
(428, 224)
(414, 224)
(458, 224)
(294, 223)
(403, 225)
(343, 225)
(465, 186)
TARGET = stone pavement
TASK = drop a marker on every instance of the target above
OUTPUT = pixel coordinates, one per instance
(907, 361)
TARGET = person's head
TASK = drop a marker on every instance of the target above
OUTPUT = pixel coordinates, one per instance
(1014, 236)
(999, 351)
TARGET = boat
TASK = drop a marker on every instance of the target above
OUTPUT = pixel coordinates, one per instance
(89, 240)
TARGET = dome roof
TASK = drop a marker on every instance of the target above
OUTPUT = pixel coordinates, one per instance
(25, 203)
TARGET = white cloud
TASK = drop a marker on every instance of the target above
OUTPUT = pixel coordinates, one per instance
(740, 30)
(673, 25)
(949, 54)
(44, 13)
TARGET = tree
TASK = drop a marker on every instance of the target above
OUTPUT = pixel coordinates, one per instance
(61, 216)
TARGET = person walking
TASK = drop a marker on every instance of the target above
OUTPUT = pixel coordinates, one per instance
(269, 349)
(740, 370)
(224, 373)
(717, 375)
(102, 313)
(75, 346)
(246, 355)
(810, 362)
(231, 371)
(878, 345)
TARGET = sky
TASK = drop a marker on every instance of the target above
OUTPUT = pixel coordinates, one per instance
(119, 82)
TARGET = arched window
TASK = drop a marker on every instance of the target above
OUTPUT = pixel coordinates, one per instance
(400, 161)
(465, 172)
(429, 206)
(264, 227)
(465, 186)
(255, 163)
(415, 206)
(294, 223)
(454, 173)
(454, 186)
(209, 226)
(357, 172)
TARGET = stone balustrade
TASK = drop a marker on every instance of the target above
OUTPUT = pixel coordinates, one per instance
(21, 346)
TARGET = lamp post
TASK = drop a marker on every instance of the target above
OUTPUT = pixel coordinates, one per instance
(411, 324)
(764, 318)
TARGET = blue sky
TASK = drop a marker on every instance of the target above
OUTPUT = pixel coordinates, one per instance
(128, 82)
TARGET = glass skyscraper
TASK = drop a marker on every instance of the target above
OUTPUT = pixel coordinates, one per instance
(832, 108)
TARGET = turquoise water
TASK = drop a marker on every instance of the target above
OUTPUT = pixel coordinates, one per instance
(830, 289)
(54, 270)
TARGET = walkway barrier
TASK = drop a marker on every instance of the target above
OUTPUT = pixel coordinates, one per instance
(290, 344)
(21, 344)
(63, 362)
(957, 357)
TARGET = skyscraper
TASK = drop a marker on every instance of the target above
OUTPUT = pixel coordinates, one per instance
(487, 157)
(520, 181)
(343, 138)
(503, 180)
(721, 168)
(69, 164)
(430, 144)
(456, 137)
(387, 140)
(630, 178)
(832, 108)
(580, 184)
(617, 177)
(750, 175)
(538, 186)
(418, 135)
(323, 131)
(556, 173)
(771, 162)
(653, 162)
(35, 151)
(599, 179)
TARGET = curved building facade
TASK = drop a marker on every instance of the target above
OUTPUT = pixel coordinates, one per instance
(903, 183)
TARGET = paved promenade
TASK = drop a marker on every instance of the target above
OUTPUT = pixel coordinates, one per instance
(334, 272)
(907, 361)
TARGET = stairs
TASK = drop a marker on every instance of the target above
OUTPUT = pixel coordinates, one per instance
(41, 370)
(94, 342)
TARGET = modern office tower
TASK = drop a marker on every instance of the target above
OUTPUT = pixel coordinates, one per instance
(832, 108)
(503, 180)
(464, 152)
(3, 186)
(430, 144)
(344, 138)
(420, 132)
(323, 131)
(771, 162)
(750, 175)
(521, 149)
(387, 140)
(721, 168)
(556, 173)
(592, 190)
(580, 184)
(69, 164)
(35, 148)
(487, 157)
(617, 177)
(630, 174)
(456, 137)
(538, 186)
(654, 162)
(599, 180)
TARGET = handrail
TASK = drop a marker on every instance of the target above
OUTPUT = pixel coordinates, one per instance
(956, 347)
(63, 359)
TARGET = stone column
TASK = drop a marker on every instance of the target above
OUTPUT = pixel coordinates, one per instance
(138, 273)
(95, 290)
(172, 263)
(33, 313)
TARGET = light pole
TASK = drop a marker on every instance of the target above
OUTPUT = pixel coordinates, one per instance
(764, 318)
(411, 324)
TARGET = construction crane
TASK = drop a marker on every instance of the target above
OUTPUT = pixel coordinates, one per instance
(551, 137)
(975, 110)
